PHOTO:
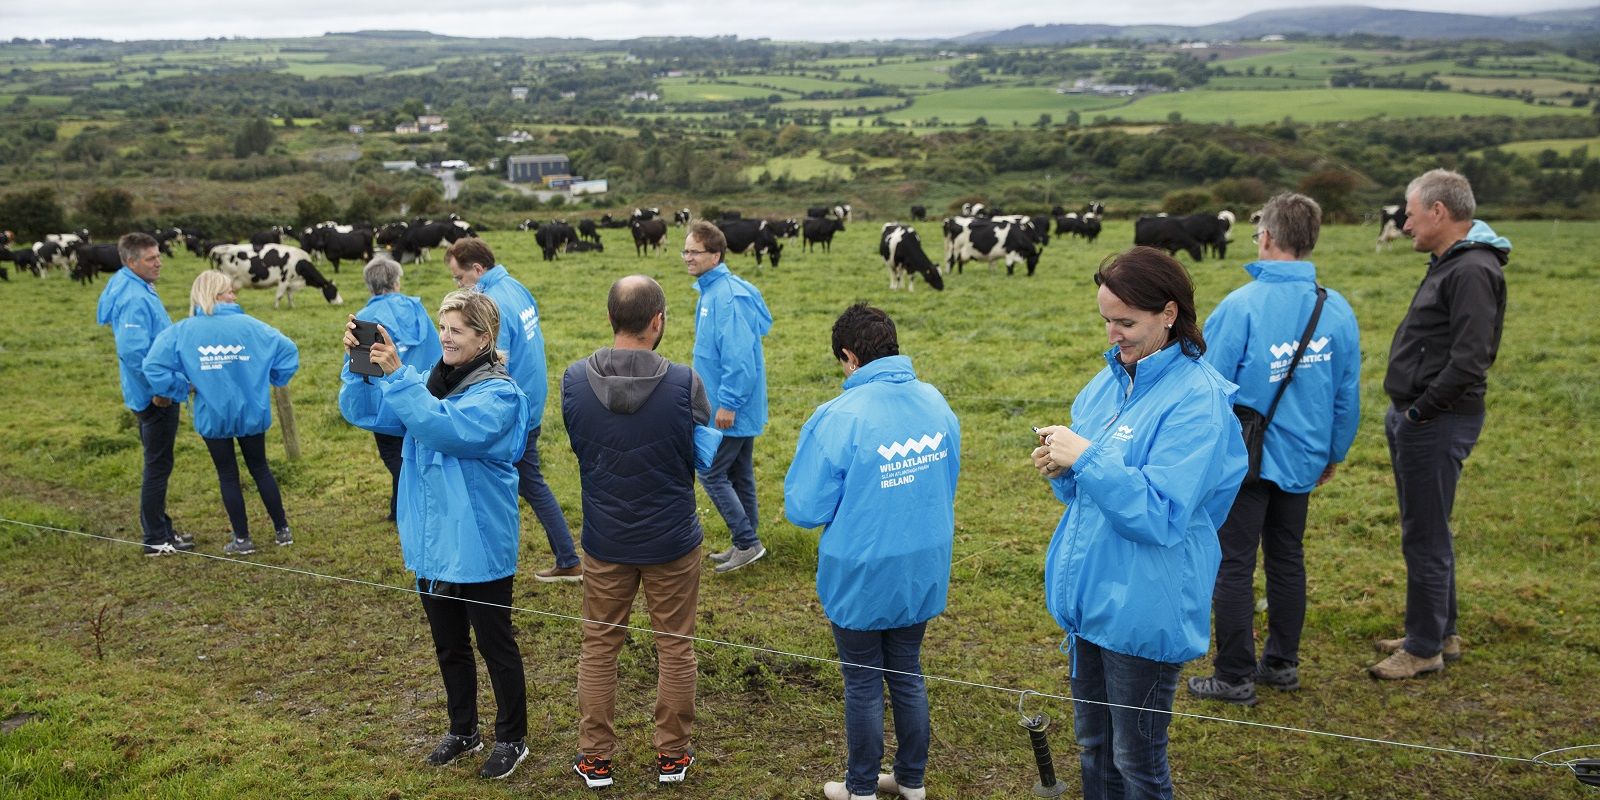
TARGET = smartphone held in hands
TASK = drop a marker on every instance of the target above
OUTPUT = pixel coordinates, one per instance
(366, 334)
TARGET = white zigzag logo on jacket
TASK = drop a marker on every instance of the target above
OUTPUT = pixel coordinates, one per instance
(1287, 349)
(901, 450)
(220, 349)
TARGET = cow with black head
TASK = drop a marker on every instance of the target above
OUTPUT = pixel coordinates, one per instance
(1167, 233)
(554, 236)
(977, 239)
(902, 255)
(681, 217)
(587, 231)
(751, 236)
(919, 213)
(648, 233)
(273, 266)
(820, 230)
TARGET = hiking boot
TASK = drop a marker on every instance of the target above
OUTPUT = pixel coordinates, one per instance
(503, 760)
(722, 557)
(834, 790)
(887, 783)
(1285, 678)
(1451, 652)
(284, 537)
(595, 772)
(1403, 665)
(1211, 687)
(453, 747)
(742, 557)
(239, 547)
(672, 770)
(559, 574)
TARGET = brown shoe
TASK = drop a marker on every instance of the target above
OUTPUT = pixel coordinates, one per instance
(1452, 646)
(557, 574)
(1403, 665)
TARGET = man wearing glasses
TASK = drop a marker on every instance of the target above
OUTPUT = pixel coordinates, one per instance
(730, 319)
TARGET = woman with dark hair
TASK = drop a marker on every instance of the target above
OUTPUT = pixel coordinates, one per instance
(1147, 469)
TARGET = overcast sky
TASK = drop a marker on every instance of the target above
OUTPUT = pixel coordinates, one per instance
(814, 20)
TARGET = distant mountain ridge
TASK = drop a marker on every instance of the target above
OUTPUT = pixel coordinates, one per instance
(1320, 21)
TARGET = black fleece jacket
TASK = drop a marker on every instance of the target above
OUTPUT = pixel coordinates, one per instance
(1439, 361)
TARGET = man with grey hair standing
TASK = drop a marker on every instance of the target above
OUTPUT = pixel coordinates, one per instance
(134, 311)
(1437, 377)
(1311, 420)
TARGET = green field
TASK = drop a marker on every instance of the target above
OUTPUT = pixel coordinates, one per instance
(910, 74)
(327, 69)
(191, 677)
(841, 104)
(1307, 61)
(798, 84)
(1003, 105)
(1538, 87)
(1534, 147)
(684, 90)
(1326, 105)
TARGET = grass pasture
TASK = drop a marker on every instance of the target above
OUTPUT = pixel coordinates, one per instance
(1325, 105)
(191, 677)
(685, 90)
(1533, 147)
(797, 84)
(1003, 105)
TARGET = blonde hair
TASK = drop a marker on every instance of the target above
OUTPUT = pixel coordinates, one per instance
(479, 312)
(203, 292)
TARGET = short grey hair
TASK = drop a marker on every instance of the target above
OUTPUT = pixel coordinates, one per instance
(382, 275)
(1294, 221)
(132, 246)
(1444, 186)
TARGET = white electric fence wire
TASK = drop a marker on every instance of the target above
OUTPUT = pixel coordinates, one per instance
(804, 657)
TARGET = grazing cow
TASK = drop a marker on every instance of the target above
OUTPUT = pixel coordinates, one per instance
(350, 245)
(1391, 227)
(841, 212)
(288, 269)
(1166, 233)
(784, 228)
(816, 212)
(273, 235)
(1037, 227)
(974, 239)
(608, 221)
(1212, 232)
(585, 247)
(93, 259)
(164, 237)
(533, 224)
(463, 229)
(751, 236)
(587, 232)
(59, 254)
(978, 210)
(1090, 227)
(919, 213)
(902, 254)
(681, 216)
(412, 241)
(553, 236)
(648, 233)
(820, 229)
(26, 259)
(642, 214)
(1058, 211)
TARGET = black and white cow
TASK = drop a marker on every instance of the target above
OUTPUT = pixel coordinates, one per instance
(61, 254)
(412, 241)
(607, 221)
(93, 259)
(681, 217)
(585, 247)
(587, 231)
(751, 236)
(26, 259)
(531, 224)
(1391, 227)
(164, 238)
(784, 228)
(1212, 232)
(902, 255)
(641, 214)
(919, 213)
(272, 235)
(553, 237)
(338, 245)
(820, 230)
(1037, 227)
(842, 212)
(288, 269)
(1166, 233)
(648, 233)
(974, 239)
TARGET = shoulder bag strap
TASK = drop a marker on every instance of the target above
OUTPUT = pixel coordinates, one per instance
(1305, 338)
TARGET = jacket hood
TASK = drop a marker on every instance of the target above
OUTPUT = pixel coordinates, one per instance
(1481, 237)
(889, 369)
(624, 379)
(1274, 271)
(410, 330)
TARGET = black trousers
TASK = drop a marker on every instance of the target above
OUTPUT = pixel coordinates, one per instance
(390, 449)
(1267, 517)
(254, 449)
(452, 622)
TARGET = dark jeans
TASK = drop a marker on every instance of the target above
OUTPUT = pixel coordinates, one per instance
(1275, 520)
(255, 460)
(894, 649)
(534, 490)
(1427, 460)
(730, 482)
(453, 622)
(390, 450)
(1124, 746)
(158, 429)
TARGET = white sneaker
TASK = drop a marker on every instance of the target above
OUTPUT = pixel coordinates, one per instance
(834, 790)
(887, 783)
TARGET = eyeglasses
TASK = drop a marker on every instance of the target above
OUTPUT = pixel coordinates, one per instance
(1256, 237)
(692, 253)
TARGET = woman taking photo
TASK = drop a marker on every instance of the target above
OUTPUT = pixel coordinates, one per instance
(230, 358)
(1147, 469)
(464, 423)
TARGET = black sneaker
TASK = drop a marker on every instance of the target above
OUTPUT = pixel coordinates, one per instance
(672, 770)
(503, 760)
(453, 747)
(1285, 678)
(284, 537)
(1211, 687)
(183, 541)
(595, 772)
(239, 547)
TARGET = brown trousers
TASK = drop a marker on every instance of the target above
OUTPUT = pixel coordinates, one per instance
(672, 593)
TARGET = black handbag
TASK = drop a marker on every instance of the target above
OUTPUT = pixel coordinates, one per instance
(1252, 424)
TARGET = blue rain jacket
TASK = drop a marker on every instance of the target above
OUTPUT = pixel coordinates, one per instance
(520, 337)
(230, 358)
(132, 308)
(876, 467)
(1133, 561)
(1250, 340)
(457, 508)
(729, 321)
(415, 336)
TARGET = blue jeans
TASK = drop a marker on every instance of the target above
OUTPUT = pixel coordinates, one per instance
(158, 429)
(730, 482)
(1124, 749)
(533, 489)
(894, 649)
(1427, 461)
